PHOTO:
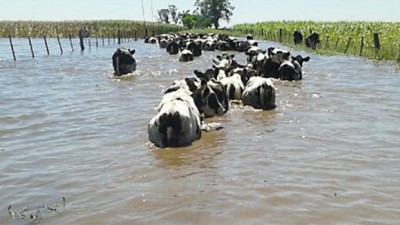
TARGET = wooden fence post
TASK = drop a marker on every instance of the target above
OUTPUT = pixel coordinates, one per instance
(47, 47)
(30, 44)
(377, 45)
(348, 45)
(90, 44)
(362, 45)
(327, 42)
(135, 35)
(59, 44)
(102, 39)
(12, 48)
(376, 41)
(70, 42)
(97, 43)
(119, 36)
(280, 35)
(81, 43)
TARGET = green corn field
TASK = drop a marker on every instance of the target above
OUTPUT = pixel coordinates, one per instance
(71, 28)
(354, 38)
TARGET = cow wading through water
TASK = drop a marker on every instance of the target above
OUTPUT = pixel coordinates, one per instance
(312, 41)
(123, 61)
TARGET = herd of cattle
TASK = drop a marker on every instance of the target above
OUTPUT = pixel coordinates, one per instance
(186, 102)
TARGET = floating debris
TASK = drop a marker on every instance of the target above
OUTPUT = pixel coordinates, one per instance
(35, 213)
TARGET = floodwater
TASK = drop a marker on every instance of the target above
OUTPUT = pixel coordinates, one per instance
(328, 154)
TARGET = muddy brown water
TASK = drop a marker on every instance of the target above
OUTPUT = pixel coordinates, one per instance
(328, 154)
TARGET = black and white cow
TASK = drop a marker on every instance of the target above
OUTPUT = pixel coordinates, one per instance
(233, 86)
(194, 47)
(225, 62)
(162, 43)
(172, 47)
(292, 69)
(313, 40)
(209, 96)
(245, 73)
(259, 93)
(270, 66)
(208, 74)
(150, 40)
(123, 61)
(177, 123)
(297, 37)
(186, 56)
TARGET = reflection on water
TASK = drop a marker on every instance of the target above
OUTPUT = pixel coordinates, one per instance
(199, 155)
(327, 154)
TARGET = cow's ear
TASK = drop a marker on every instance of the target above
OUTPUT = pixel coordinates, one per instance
(132, 51)
(270, 51)
(232, 56)
(219, 57)
(198, 73)
(293, 58)
(306, 59)
(263, 51)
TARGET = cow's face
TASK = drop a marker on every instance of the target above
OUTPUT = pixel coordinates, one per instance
(300, 59)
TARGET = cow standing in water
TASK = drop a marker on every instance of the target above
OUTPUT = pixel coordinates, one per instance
(312, 41)
(123, 61)
(297, 37)
(178, 121)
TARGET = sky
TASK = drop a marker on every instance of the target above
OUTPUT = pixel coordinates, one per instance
(246, 11)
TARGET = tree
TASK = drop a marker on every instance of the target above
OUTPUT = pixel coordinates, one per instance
(173, 12)
(202, 21)
(188, 19)
(215, 10)
(164, 15)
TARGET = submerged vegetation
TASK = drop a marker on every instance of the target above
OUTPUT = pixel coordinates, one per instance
(96, 28)
(354, 38)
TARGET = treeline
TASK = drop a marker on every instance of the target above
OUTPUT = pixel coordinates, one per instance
(207, 13)
(65, 29)
(375, 40)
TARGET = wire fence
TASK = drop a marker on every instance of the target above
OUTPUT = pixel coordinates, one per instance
(370, 46)
(23, 48)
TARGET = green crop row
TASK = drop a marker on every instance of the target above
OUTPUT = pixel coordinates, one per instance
(65, 29)
(354, 38)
